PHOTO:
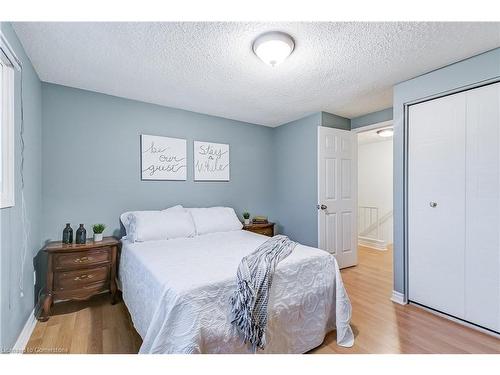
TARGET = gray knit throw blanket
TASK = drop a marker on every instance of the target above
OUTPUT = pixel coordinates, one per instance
(254, 277)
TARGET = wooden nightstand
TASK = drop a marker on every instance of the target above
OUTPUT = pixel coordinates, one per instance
(265, 229)
(77, 272)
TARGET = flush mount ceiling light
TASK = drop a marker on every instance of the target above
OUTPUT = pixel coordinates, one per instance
(273, 47)
(386, 133)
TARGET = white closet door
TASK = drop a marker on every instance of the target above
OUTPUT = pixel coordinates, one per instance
(436, 203)
(482, 255)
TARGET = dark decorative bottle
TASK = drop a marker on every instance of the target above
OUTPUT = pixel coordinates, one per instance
(81, 235)
(67, 234)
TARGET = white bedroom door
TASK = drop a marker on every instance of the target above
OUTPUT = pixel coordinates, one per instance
(337, 194)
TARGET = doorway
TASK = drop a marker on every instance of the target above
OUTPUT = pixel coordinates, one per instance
(375, 204)
(355, 192)
(375, 187)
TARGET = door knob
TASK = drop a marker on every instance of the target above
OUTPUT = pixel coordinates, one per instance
(322, 207)
(433, 204)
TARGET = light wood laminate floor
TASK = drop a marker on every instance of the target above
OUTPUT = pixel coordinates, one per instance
(380, 326)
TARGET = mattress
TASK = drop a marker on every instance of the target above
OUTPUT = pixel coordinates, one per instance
(177, 292)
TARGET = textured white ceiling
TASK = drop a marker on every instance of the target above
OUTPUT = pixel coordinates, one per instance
(343, 68)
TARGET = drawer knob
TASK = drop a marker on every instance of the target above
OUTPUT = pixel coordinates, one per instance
(83, 277)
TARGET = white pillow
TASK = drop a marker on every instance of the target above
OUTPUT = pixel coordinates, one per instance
(126, 216)
(215, 219)
(160, 225)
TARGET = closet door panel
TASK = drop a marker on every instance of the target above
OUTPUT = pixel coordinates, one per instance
(482, 254)
(436, 175)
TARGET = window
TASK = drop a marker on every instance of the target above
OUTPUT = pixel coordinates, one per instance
(7, 131)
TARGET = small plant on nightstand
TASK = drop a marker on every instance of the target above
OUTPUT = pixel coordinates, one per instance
(246, 217)
(98, 229)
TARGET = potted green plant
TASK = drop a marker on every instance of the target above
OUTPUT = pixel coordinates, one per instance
(246, 217)
(98, 229)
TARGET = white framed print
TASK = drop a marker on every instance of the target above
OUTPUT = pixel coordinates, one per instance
(163, 158)
(211, 161)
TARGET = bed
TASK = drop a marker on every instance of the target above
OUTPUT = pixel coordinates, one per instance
(177, 293)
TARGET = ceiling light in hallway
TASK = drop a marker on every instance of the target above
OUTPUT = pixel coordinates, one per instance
(386, 133)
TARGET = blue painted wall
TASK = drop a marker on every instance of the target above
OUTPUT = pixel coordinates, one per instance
(91, 148)
(372, 118)
(467, 72)
(334, 121)
(14, 310)
(91, 160)
(296, 181)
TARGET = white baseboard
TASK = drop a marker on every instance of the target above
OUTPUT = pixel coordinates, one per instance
(372, 243)
(398, 298)
(25, 334)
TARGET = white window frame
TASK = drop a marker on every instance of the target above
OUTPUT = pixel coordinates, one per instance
(7, 90)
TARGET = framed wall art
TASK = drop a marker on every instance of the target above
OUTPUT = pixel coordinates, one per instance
(211, 161)
(163, 158)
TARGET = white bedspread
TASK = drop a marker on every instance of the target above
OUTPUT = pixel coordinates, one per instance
(177, 292)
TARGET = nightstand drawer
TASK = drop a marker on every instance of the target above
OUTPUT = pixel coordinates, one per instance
(82, 258)
(71, 280)
(82, 293)
(265, 231)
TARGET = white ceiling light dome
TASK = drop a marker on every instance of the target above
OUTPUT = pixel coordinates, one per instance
(273, 47)
(386, 133)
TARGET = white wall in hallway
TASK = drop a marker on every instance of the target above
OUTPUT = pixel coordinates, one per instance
(375, 180)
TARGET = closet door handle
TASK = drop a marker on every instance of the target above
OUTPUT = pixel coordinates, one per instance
(433, 204)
